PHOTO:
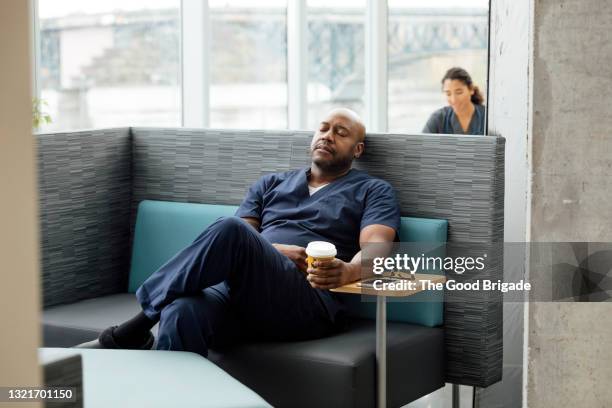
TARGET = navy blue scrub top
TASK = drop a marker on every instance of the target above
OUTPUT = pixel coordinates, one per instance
(336, 213)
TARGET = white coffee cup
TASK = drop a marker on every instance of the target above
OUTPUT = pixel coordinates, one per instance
(319, 251)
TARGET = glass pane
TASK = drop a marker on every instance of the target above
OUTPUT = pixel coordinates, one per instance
(111, 63)
(425, 40)
(249, 64)
(336, 57)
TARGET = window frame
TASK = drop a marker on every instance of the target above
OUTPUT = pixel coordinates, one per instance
(195, 41)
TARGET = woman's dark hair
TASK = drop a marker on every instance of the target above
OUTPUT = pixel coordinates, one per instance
(462, 75)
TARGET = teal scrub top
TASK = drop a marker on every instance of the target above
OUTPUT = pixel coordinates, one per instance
(445, 121)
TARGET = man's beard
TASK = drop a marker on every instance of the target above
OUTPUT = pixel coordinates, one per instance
(337, 165)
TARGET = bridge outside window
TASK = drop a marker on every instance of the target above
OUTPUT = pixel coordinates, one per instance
(119, 63)
(248, 64)
(110, 63)
(426, 38)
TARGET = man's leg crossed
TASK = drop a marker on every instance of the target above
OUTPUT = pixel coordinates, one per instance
(198, 323)
(268, 290)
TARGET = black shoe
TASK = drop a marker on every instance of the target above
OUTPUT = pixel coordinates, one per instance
(107, 340)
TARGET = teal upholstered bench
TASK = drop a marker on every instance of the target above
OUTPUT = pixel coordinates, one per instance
(341, 367)
(163, 228)
(136, 378)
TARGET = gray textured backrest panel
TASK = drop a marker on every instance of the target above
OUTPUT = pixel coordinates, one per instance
(458, 178)
(85, 193)
(211, 166)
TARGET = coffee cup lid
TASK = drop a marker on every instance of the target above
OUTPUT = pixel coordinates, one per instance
(321, 248)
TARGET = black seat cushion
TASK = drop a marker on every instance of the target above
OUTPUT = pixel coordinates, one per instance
(79, 322)
(340, 371)
(337, 371)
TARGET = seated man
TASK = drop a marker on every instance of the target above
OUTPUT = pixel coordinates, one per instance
(247, 276)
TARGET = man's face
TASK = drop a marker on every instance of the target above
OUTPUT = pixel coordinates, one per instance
(336, 143)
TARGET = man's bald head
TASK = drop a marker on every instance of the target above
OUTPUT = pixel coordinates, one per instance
(353, 117)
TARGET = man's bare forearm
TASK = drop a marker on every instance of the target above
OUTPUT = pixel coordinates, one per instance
(363, 268)
(253, 222)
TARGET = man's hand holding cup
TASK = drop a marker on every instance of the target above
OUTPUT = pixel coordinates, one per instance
(325, 271)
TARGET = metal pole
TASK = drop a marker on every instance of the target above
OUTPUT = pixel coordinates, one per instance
(456, 402)
(381, 351)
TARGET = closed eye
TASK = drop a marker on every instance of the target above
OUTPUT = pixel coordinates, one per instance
(340, 131)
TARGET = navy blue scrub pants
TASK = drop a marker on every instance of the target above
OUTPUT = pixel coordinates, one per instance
(231, 284)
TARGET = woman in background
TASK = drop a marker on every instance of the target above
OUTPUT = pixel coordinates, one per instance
(465, 114)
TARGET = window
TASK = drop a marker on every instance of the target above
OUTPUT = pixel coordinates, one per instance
(118, 63)
(425, 40)
(336, 57)
(248, 64)
(111, 63)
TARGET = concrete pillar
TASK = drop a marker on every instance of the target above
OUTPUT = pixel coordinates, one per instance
(570, 358)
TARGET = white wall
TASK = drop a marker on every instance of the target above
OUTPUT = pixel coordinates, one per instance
(509, 107)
